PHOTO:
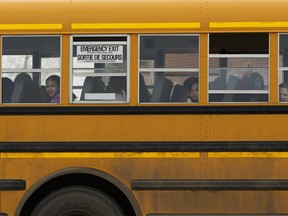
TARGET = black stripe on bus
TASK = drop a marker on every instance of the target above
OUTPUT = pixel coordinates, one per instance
(12, 184)
(227, 146)
(141, 110)
(208, 185)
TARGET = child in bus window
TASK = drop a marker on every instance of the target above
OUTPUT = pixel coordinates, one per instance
(53, 88)
(191, 87)
(283, 92)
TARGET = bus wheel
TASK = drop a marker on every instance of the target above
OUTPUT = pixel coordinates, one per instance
(77, 201)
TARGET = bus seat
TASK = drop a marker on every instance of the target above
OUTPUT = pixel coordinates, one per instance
(179, 94)
(25, 90)
(117, 85)
(231, 85)
(7, 89)
(232, 82)
(92, 85)
(145, 95)
(44, 97)
(218, 84)
(162, 90)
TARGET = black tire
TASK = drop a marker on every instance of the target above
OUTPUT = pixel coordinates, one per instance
(77, 201)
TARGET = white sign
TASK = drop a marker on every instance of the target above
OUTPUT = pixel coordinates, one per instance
(100, 53)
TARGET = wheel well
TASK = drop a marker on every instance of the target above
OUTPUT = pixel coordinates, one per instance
(78, 179)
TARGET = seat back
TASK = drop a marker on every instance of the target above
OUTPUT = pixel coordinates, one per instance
(162, 90)
(232, 84)
(179, 94)
(44, 97)
(25, 90)
(117, 85)
(144, 94)
(218, 84)
(92, 85)
(7, 89)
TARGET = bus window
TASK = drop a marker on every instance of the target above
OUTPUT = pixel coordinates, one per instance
(283, 68)
(168, 68)
(28, 62)
(100, 69)
(238, 67)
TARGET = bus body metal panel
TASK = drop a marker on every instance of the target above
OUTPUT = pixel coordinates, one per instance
(131, 124)
(151, 201)
(153, 128)
(210, 16)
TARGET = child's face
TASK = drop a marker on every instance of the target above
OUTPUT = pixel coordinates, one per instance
(52, 88)
(283, 95)
(194, 92)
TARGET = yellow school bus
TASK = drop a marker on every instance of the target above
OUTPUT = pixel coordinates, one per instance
(143, 108)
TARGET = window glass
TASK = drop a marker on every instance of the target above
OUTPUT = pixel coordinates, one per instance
(100, 69)
(238, 67)
(169, 68)
(27, 74)
(283, 68)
